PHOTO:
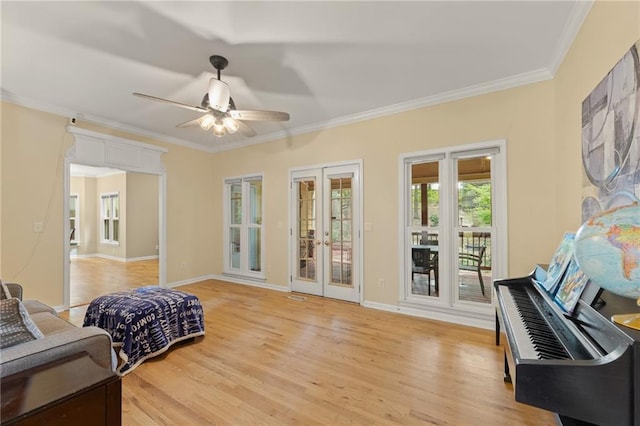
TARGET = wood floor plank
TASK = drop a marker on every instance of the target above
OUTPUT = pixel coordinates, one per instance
(268, 359)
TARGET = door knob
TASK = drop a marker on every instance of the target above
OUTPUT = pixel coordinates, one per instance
(326, 243)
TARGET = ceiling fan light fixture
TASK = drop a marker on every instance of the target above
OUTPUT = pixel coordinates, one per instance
(206, 121)
(218, 128)
(231, 125)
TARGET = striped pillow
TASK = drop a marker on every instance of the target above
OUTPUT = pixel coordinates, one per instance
(4, 291)
(16, 326)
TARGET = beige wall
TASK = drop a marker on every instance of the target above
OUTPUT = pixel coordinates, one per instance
(88, 232)
(138, 214)
(607, 34)
(33, 148)
(541, 123)
(521, 115)
(33, 145)
(142, 215)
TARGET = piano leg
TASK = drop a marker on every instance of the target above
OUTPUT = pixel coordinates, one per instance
(497, 330)
(507, 375)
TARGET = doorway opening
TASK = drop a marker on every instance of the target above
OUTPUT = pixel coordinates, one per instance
(143, 162)
(114, 231)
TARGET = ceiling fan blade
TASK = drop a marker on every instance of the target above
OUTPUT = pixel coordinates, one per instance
(174, 103)
(255, 115)
(219, 95)
(246, 130)
(190, 123)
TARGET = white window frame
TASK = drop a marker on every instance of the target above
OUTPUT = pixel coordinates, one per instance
(248, 210)
(76, 218)
(111, 196)
(447, 307)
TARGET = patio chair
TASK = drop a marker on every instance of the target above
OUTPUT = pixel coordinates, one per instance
(425, 261)
(472, 262)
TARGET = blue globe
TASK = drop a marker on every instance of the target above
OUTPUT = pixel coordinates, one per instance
(607, 249)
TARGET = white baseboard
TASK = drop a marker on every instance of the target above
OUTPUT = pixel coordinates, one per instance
(137, 259)
(415, 312)
(115, 258)
(249, 282)
(83, 256)
(226, 278)
(439, 316)
(192, 280)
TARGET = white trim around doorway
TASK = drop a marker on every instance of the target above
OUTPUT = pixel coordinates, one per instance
(102, 150)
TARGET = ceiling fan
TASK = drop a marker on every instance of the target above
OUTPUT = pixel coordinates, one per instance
(220, 113)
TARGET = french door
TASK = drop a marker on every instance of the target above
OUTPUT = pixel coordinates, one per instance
(325, 255)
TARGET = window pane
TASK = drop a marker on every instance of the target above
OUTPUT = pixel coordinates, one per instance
(234, 250)
(73, 205)
(254, 249)
(474, 192)
(423, 224)
(236, 203)
(474, 266)
(105, 229)
(474, 224)
(255, 202)
(106, 207)
(116, 230)
(116, 206)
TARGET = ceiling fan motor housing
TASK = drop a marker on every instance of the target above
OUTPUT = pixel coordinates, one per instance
(219, 95)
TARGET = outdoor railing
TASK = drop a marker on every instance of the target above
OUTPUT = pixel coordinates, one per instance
(468, 242)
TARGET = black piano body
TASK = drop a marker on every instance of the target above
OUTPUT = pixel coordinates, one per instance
(583, 367)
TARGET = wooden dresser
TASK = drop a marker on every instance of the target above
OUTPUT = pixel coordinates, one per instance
(70, 391)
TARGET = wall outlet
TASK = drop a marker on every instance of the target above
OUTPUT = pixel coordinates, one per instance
(381, 282)
(183, 264)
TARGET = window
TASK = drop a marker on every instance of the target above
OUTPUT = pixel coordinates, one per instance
(110, 217)
(243, 245)
(454, 211)
(74, 218)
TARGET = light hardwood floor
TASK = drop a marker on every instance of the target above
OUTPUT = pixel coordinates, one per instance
(269, 360)
(92, 277)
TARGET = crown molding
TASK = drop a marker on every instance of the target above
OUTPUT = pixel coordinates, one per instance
(578, 14)
(115, 125)
(453, 95)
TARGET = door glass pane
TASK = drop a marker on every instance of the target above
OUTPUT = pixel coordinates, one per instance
(307, 255)
(254, 249)
(474, 229)
(423, 225)
(234, 250)
(341, 244)
(236, 203)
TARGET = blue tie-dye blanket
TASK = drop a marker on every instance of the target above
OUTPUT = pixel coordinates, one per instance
(146, 321)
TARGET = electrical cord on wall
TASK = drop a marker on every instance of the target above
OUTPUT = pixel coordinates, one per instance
(52, 194)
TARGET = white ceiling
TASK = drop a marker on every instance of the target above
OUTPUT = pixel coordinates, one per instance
(326, 63)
